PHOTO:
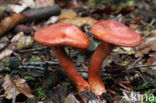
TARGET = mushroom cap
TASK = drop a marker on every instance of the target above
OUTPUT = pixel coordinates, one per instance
(116, 33)
(62, 34)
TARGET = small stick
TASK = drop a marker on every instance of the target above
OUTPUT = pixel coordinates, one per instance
(2, 96)
(152, 22)
(40, 63)
(82, 71)
(11, 21)
(41, 13)
(140, 66)
(14, 94)
(143, 66)
(31, 67)
(31, 15)
(30, 50)
(134, 63)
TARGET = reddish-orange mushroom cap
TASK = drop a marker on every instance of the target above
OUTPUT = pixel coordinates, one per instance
(62, 34)
(116, 33)
(59, 35)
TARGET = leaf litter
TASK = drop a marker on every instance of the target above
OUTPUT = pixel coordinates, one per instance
(120, 72)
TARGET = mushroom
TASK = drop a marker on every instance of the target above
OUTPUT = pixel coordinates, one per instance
(112, 33)
(65, 34)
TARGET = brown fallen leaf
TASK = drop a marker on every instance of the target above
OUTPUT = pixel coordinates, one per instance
(68, 4)
(20, 5)
(67, 14)
(4, 42)
(20, 84)
(17, 37)
(11, 21)
(24, 42)
(79, 21)
(5, 53)
(71, 99)
(27, 3)
(20, 41)
(23, 28)
(72, 4)
(44, 3)
(97, 101)
(151, 60)
(136, 20)
(148, 44)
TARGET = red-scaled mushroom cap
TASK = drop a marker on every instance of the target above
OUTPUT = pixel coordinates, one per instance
(62, 34)
(116, 33)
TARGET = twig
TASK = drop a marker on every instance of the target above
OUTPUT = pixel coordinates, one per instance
(41, 13)
(30, 50)
(152, 22)
(40, 63)
(2, 96)
(140, 66)
(134, 63)
(30, 67)
(82, 71)
(14, 94)
(31, 15)
(11, 21)
(143, 66)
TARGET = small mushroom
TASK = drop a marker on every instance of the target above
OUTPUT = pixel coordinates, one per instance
(111, 33)
(65, 34)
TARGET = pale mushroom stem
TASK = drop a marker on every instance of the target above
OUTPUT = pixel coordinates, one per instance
(94, 77)
(69, 69)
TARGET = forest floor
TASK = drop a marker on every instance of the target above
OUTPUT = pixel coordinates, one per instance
(30, 73)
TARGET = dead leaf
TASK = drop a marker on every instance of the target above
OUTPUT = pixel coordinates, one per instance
(5, 53)
(114, 68)
(136, 20)
(68, 4)
(79, 21)
(71, 99)
(28, 3)
(67, 14)
(11, 21)
(24, 42)
(154, 63)
(44, 3)
(22, 5)
(52, 20)
(20, 84)
(20, 41)
(23, 28)
(124, 50)
(148, 44)
(17, 37)
(17, 8)
(97, 101)
(152, 60)
(72, 4)
(4, 42)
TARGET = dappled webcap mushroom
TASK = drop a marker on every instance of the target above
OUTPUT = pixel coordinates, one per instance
(111, 33)
(64, 34)
(116, 33)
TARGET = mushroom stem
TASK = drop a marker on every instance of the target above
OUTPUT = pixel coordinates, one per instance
(94, 77)
(69, 69)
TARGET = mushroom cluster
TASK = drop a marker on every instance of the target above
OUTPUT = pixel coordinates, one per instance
(110, 32)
